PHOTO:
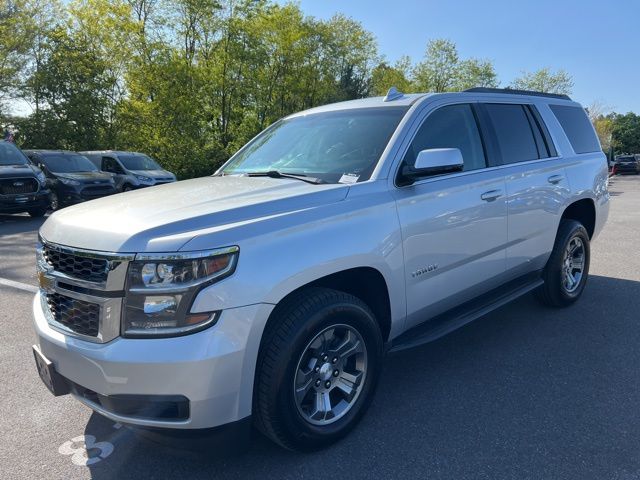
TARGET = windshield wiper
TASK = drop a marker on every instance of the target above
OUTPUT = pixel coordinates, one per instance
(278, 174)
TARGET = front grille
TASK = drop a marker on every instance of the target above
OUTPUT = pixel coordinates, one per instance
(97, 191)
(18, 186)
(77, 266)
(78, 316)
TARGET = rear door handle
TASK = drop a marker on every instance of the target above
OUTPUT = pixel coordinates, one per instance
(491, 195)
(555, 179)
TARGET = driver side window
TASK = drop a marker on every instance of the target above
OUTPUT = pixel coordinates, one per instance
(110, 165)
(453, 126)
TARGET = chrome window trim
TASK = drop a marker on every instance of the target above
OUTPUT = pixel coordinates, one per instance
(478, 171)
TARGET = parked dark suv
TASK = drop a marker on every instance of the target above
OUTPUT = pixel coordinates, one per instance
(627, 164)
(22, 185)
(71, 177)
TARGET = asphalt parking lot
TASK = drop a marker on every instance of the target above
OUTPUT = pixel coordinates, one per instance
(525, 392)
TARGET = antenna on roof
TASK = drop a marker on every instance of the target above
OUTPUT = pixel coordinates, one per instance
(393, 94)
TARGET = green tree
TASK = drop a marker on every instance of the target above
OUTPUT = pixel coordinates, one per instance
(438, 70)
(384, 76)
(473, 72)
(625, 133)
(544, 80)
(442, 70)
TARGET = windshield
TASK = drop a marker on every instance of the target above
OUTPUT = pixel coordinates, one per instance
(67, 163)
(332, 146)
(138, 162)
(11, 155)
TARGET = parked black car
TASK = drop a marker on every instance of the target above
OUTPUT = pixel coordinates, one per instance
(22, 185)
(71, 177)
(627, 164)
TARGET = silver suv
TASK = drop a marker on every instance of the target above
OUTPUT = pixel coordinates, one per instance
(269, 293)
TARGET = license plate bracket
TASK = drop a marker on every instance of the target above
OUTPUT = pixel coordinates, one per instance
(55, 382)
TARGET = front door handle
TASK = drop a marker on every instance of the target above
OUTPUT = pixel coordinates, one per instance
(555, 179)
(491, 195)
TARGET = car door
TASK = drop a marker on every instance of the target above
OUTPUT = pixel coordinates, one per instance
(536, 184)
(454, 226)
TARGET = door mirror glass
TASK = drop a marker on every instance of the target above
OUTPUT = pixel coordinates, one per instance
(434, 161)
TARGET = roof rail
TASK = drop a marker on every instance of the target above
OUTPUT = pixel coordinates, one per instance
(517, 92)
(393, 94)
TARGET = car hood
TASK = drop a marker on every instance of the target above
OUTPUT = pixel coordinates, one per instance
(166, 217)
(86, 176)
(155, 174)
(12, 171)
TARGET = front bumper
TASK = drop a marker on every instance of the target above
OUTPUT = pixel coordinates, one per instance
(214, 369)
(71, 195)
(24, 203)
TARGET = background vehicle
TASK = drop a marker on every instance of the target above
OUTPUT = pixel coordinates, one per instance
(269, 292)
(71, 177)
(22, 185)
(627, 164)
(131, 169)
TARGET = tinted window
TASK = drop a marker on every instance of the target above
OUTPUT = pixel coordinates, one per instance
(11, 155)
(326, 145)
(513, 131)
(67, 163)
(110, 165)
(138, 162)
(453, 126)
(577, 126)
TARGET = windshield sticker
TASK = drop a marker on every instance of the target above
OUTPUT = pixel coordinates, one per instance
(349, 178)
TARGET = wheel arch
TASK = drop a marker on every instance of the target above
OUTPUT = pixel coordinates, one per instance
(366, 283)
(583, 211)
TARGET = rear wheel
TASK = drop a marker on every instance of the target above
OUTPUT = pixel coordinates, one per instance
(567, 269)
(317, 369)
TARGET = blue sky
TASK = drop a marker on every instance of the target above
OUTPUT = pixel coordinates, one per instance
(597, 42)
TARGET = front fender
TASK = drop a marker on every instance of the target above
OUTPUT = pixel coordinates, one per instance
(296, 249)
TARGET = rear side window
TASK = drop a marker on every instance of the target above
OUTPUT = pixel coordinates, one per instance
(576, 125)
(453, 126)
(514, 132)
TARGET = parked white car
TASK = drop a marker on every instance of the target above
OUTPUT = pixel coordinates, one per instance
(268, 293)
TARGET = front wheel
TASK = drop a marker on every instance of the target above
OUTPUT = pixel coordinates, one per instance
(37, 212)
(567, 269)
(317, 369)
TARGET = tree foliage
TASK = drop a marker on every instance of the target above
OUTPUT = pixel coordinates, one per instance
(190, 81)
(625, 133)
(545, 80)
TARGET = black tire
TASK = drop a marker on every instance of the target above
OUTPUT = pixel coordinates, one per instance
(554, 293)
(54, 203)
(38, 213)
(296, 323)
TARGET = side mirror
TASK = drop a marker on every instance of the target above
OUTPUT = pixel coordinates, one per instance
(434, 161)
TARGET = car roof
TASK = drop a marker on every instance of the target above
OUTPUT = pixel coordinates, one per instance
(399, 99)
(115, 152)
(50, 152)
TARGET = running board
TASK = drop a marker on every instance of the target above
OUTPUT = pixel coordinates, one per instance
(447, 322)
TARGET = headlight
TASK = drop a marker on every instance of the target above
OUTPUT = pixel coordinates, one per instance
(161, 289)
(144, 179)
(41, 178)
(68, 181)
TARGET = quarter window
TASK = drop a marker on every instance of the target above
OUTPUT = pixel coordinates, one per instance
(453, 126)
(576, 125)
(513, 132)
